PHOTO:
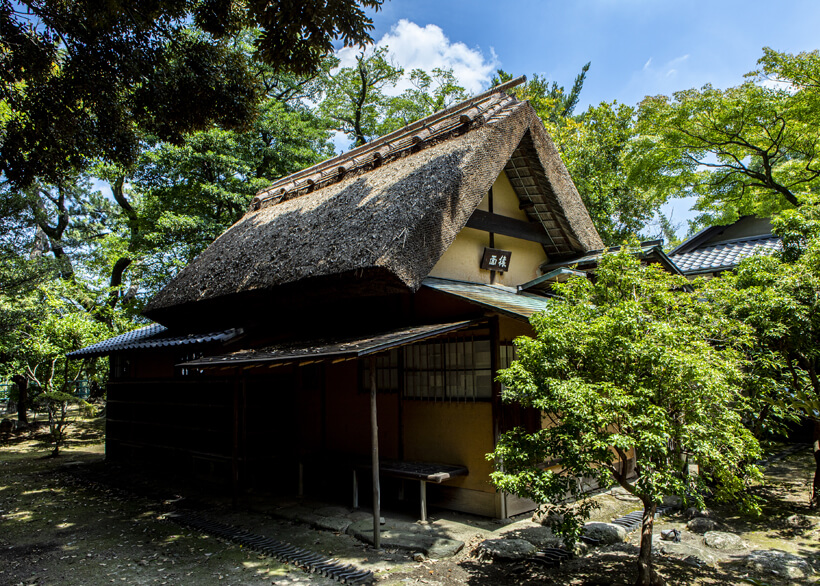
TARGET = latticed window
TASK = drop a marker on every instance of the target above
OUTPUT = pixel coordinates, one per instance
(387, 372)
(506, 355)
(449, 369)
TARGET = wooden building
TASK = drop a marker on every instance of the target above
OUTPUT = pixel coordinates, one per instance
(404, 259)
(716, 249)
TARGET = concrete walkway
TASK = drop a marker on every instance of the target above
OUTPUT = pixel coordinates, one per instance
(441, 536)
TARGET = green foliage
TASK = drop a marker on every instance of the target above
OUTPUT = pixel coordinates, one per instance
(630, 364)
(779, 296)
(57, 405)
(354, 98)
(86, 80)
(430, 93)
(620, 193)
(597, 150)
(750, 149)
(42, 324)
(355, 101)
(551, 102)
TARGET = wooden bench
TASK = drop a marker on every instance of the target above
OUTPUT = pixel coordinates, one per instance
(424, 472)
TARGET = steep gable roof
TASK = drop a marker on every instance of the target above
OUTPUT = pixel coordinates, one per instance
(377, 219)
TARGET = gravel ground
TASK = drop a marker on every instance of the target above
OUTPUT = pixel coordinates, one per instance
(57, 528)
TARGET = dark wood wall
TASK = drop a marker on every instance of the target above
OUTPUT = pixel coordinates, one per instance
(181, 425)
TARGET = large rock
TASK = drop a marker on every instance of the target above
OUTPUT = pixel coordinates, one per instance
(722, 540)
(505, 549)
(702, 525)
(779, 563)
(406, 536)
(547, 518)
(688, 553)
(7, 425)
(671, 501)
(539, 536)
(605, 533)
(802, 522)
(335, 524)
(693, 512)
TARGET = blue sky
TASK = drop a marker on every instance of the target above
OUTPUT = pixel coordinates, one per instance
(637, 47)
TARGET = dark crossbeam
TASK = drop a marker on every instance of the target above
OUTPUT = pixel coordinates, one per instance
(498, 224)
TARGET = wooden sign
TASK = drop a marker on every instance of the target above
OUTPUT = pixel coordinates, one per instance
(496, 260)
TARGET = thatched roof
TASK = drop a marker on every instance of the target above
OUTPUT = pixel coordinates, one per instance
(377, 219)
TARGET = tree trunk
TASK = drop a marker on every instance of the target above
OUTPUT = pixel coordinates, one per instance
(815, 494)
(22, 397)
(646, 573)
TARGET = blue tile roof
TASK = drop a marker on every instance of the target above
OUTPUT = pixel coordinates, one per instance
(721, 256)
(153, 336)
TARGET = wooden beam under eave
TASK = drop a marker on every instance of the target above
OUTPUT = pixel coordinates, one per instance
(498, 224)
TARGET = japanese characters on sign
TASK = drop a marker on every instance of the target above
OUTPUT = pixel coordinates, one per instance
(496, 260)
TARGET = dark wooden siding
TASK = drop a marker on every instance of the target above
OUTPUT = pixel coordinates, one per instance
(183, 425)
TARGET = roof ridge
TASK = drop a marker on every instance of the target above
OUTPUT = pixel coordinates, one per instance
(737, 240)
(377, 151)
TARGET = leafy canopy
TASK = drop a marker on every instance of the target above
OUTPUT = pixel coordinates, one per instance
(630, 365)
(596, 146)
(750, 149)
(779, 298)
(87, 80)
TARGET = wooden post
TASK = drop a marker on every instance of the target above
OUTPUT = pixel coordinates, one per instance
(374, 441)
(235, 450)
(497, 406)
(492, 236)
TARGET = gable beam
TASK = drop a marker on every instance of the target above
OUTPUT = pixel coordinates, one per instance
(498, 224)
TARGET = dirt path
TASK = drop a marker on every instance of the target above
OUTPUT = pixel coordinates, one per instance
(56, 528)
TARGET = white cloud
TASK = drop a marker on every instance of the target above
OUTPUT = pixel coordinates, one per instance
(664, 73)
(414, 47)
(672, 66)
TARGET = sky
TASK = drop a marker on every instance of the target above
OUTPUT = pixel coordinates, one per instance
(636, 47)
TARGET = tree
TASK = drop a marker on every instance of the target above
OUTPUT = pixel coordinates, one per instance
(551, 102)
(354, 98)
(750, 149)
(621, 196)
(57, 405)
(629, 365)
(85, 80)
(175, 200)
(357, 102)
(597, 150)
(430, 92)
(40, 326)
(184, 196)
(779, 297)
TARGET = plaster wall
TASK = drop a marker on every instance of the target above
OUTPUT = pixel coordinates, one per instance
(462, 259)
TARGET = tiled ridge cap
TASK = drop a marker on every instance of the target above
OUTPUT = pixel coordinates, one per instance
(389, 145)
(738, 241)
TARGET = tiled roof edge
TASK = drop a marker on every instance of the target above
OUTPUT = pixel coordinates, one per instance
(417, 133)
